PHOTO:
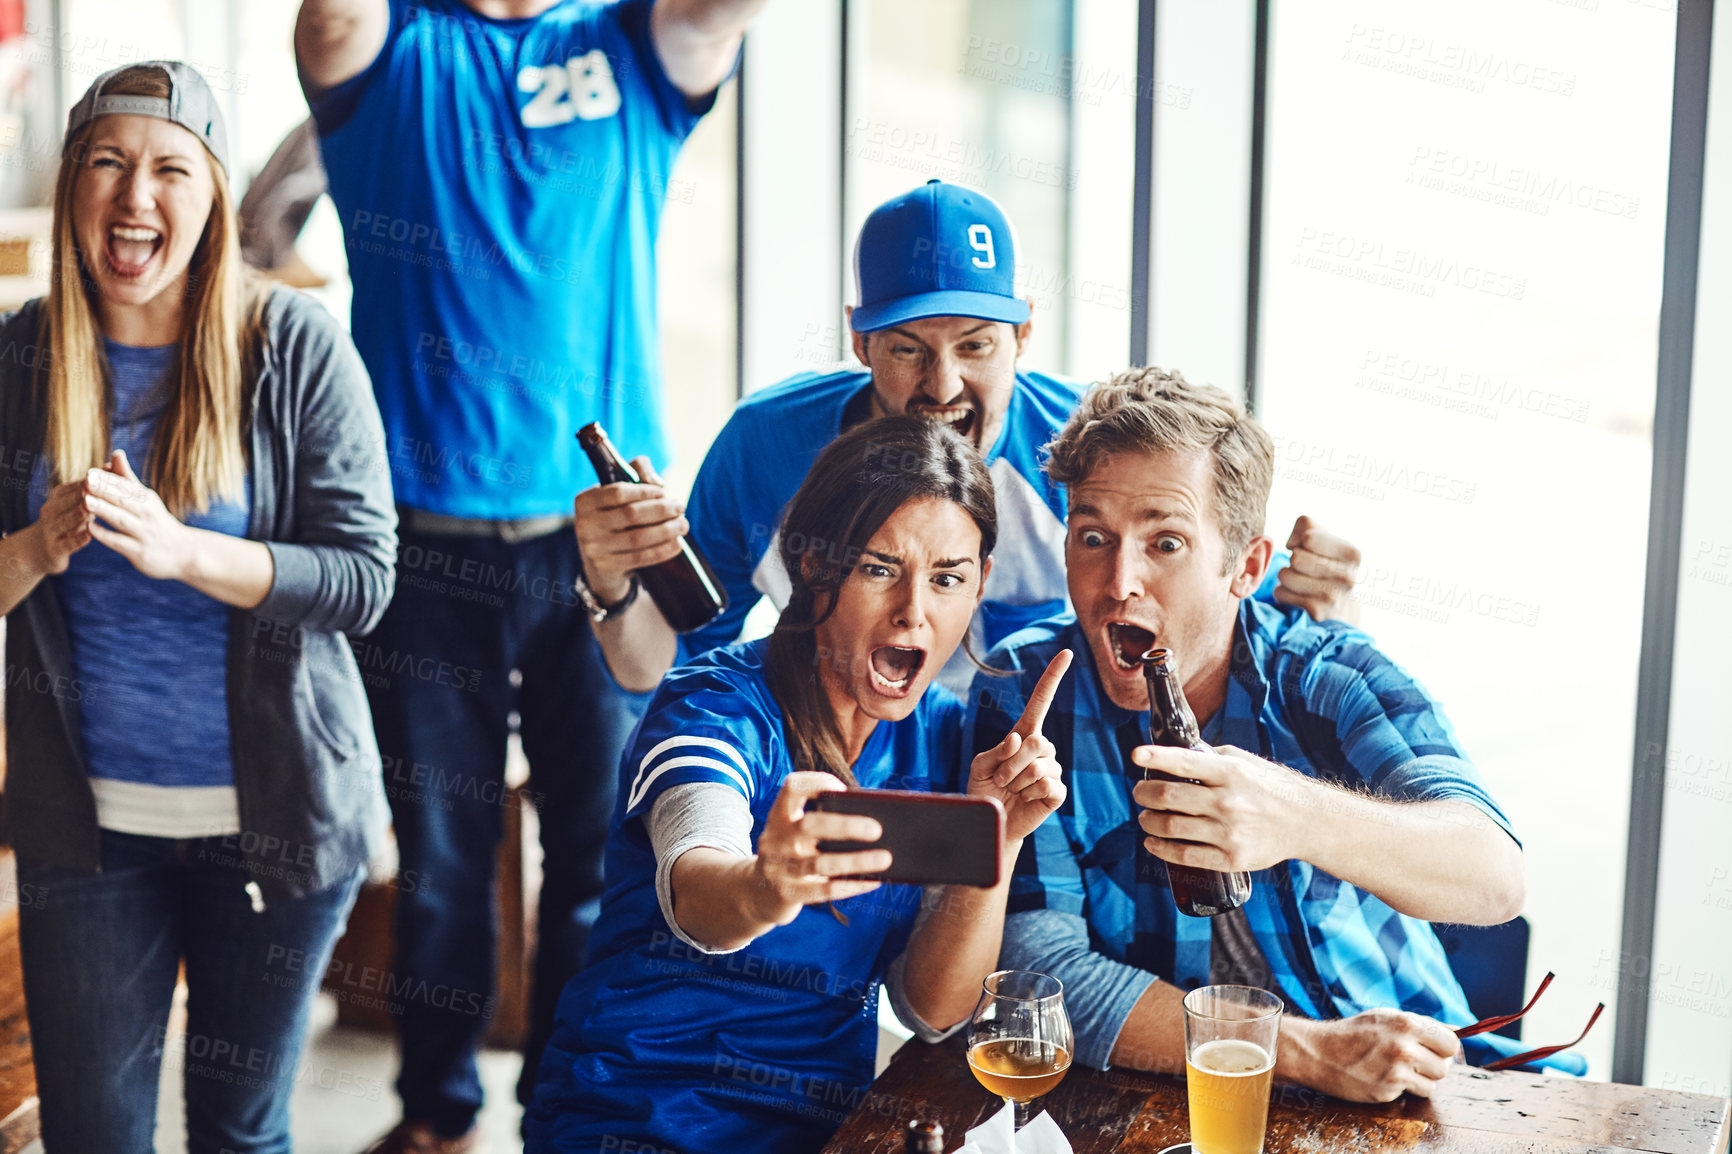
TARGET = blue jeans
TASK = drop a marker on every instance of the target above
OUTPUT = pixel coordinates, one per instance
(479, 629)
(101, 954)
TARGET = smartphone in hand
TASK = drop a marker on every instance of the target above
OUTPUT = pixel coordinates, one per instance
(933, 838)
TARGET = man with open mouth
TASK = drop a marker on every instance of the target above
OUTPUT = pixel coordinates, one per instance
(1332, 776)
(939, 329)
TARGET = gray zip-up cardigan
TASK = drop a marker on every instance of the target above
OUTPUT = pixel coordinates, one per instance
(307, 770)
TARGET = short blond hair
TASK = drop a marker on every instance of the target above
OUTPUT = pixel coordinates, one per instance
(1154, 410)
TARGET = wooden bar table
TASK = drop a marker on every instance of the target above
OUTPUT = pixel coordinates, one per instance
(1124, 1112)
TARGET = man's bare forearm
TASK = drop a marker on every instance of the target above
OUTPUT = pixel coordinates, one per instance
(336, 39)
(1440, 861)
(698, 39)
(1153, 1039)
(638, 645)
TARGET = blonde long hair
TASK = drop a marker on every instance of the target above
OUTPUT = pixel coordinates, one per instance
(198, 454)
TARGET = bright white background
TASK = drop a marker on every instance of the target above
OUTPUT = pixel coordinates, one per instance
(1460, 376)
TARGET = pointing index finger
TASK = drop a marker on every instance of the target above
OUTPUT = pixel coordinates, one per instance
(1044, 691)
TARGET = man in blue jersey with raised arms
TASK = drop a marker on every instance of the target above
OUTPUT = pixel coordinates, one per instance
(1334, 777)
(939, 329)
(499, 167)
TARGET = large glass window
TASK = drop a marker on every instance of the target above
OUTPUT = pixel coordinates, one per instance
(1689, 1039)
(695, 268)
(1031, 102)
(1462, 270)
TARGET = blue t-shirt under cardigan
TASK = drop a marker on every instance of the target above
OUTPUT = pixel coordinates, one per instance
(150, 655)
(308, 791)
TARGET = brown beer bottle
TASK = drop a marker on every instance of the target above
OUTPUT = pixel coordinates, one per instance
(684, 587)
(1200, 893)
(922, 1137)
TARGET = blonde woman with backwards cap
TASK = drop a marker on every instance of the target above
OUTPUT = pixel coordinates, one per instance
(197, 510)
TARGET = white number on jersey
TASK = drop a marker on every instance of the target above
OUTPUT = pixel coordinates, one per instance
(980, 240)
(580, 89)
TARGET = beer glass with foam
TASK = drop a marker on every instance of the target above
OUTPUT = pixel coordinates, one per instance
(1229, 1064)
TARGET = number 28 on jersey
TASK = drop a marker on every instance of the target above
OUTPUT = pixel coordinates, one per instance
(580, 89)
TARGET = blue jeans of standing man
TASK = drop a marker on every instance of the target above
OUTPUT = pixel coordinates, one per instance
(481, 628)
(101, 954)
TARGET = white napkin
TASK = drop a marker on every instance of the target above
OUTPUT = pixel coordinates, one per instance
(999, 1135)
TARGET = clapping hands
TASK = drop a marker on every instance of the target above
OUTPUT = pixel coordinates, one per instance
(113, 507)
(129, 517)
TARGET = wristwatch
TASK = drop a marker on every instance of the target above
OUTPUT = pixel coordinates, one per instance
(599, 612)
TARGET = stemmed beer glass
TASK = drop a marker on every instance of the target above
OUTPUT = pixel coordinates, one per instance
(1019, 1039)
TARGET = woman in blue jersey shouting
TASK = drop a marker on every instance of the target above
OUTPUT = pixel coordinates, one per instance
(730, 1003)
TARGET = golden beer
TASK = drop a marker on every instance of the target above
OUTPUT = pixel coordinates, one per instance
(1228, 1083)
(1018, 1070)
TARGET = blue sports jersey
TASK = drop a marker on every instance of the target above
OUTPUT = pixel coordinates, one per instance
(1317, 697)
(765, 1049)
(131, 635)
(500, 184)
(763, 453)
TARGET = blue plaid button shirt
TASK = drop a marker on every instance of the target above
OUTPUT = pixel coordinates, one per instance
(1317, 697)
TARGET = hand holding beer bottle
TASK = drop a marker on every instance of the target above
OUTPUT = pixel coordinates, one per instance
(673, 572)
(1201, 893)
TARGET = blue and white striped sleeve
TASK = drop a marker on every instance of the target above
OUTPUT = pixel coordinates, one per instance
(683, 759)
(707, 733)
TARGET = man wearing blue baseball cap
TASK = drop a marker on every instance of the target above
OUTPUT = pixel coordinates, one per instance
(939, 329)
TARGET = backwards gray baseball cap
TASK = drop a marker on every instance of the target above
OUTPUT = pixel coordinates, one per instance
(190, 104)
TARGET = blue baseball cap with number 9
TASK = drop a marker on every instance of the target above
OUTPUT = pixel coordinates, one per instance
(941, 250)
